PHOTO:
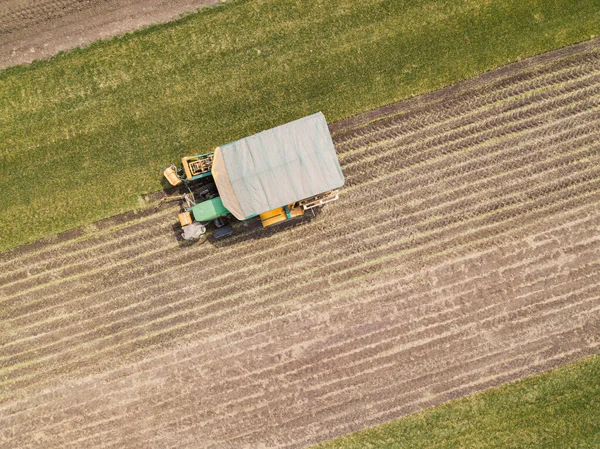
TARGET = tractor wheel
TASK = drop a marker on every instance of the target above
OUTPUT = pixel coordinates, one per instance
(207, 191)
(222, 232)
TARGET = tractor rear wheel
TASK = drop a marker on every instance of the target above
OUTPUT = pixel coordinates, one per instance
(222, 232)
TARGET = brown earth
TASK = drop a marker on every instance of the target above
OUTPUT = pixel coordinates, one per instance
(464, 252)
(36, 29)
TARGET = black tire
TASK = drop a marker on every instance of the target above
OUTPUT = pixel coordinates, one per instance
(207, 191)
(222, 232)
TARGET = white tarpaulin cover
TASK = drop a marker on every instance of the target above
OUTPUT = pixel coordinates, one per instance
(276, 167)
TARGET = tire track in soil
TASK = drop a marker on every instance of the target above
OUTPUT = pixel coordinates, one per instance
(536, 250)
(465, 241)
(38, 332)
(100, 349)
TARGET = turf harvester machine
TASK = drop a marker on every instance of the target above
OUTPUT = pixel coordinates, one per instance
(277, 175)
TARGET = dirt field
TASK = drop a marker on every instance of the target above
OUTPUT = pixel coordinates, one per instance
(464, 252)
(35, 29)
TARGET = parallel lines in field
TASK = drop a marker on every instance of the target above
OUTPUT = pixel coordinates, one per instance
(452, 231)
(577, 62)
(477, 121)
(428, 112)
(371, 292)
(355, 370)
(494, 229)
(386, 383)
(412, 143)
(451, 194)
(253, 408)
(390, 343)
(588, 108)
(67, 265)
(489, 185)
(56, 280)
(384, 342)
(187, 418)
(59, 276)
(84, 241)
(417, 176)
(257, 385)
(405, 403)
(510, 177)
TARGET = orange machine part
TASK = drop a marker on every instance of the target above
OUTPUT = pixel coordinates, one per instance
(185, 218)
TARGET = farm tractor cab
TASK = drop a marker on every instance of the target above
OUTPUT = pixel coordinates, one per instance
(276, 175)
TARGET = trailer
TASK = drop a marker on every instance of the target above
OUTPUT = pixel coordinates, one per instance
(276, 175)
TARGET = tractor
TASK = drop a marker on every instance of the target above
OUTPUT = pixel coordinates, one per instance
(276, 175)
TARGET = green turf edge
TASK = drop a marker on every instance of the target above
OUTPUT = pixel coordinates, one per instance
(128, 35)
(102, 121)
(559, 409)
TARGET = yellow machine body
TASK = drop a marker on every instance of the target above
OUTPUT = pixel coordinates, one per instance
(185, 218)
(272, 217)
(197, 166)
(281, 214)
(171, 175)
(295, 210)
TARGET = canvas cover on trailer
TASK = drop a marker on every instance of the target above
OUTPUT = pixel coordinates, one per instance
(276, 167)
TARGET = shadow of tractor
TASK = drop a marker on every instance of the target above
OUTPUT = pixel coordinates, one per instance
(243, 231)
(253, 229)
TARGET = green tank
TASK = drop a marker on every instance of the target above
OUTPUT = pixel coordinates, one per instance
(209, 210)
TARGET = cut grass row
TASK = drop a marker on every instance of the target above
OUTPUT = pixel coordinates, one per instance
(558, 409)
(183, 316)
(84, 134)
(236, 342)
(341, 221)
(348, 158)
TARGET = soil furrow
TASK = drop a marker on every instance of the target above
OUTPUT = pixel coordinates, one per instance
(87, 325)
(561, 182)
(439, 292)
(150, 340)
(463, 252)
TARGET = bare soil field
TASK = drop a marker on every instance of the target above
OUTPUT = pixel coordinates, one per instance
(37, 29)
(464, 252)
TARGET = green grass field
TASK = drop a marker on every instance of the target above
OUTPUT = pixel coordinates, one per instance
(83, 135)
(559, 409)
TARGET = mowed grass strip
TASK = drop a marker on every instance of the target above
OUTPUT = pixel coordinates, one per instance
(83, 135)
(557, 409)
